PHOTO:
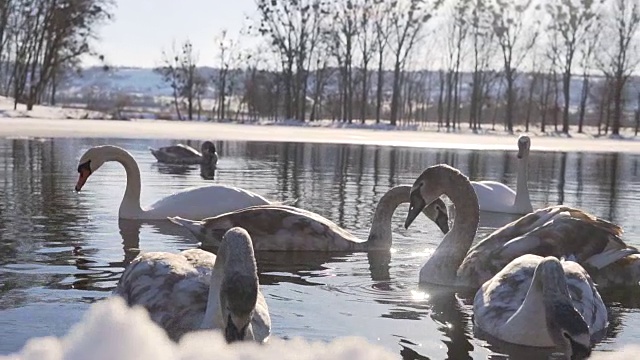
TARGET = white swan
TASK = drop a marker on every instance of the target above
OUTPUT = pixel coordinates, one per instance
(541, 302)
(287, 228)
(197, 290)
(559, 231)
(196, 202)
(498, 197)
(185, 154)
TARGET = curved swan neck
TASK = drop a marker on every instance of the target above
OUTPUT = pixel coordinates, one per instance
(380, 236)
(443, 265)
(531, 315)
(522, 189)
(131, 201)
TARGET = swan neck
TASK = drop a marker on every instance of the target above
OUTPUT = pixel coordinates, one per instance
(442, 266)
(380, 236)
(530, 316)
(213, 315)
(131, 201)
(522, 188)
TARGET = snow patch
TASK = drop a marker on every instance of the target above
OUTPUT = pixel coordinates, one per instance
(112, 330)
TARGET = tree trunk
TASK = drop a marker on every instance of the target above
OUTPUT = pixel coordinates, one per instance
(379, 86)
(583, 101)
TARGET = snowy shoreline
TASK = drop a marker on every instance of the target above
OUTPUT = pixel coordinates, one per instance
(11, 127)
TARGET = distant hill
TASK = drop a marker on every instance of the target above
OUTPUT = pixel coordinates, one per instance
(144, 82)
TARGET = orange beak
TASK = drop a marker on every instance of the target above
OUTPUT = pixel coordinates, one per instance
(84, 175)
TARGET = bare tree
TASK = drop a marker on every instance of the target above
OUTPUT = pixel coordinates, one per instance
(586, 63)
(621, 56)
(40, 38)
(572, 20)
(180, 71)
(516, 37)
(226, 53)
(382, 34)
(294, 28)
(343, 44)
(457, 34)
(407, 23)
(367, 46)
(482, 42)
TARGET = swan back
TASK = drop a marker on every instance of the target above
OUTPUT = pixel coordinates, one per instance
(559, 231)
(239, 290)
(275, 228)
(172, 287)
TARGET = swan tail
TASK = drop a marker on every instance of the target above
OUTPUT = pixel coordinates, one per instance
(193, 226)
(608, 257)
(155, 153)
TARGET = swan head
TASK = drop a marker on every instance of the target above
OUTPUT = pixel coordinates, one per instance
(437, 212)
(89, 162)
(565, 324)
(239, 287)
(208, 147)
(427, 189)
(524, 144)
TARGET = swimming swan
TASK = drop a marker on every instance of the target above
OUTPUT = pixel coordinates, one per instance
(287, 228)
(553, 231)
(198, 290)
(185, 154)
(498, 197)
(542, 302)
(196, 202)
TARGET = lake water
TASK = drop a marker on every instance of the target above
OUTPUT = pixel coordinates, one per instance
(61, 250)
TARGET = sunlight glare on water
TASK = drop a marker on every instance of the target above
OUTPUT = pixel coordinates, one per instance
(60, 250)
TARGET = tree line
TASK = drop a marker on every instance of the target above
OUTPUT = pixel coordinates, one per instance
(448, 61)
(42, 41)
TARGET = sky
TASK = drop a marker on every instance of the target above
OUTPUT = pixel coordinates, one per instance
(141, 29)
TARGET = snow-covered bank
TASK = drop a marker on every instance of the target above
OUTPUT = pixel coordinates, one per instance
(111, 330)
(45, 112)
(158, 129)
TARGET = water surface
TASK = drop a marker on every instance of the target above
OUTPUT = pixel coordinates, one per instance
(60, 250)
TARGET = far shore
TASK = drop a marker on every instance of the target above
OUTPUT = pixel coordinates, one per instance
(161, 129)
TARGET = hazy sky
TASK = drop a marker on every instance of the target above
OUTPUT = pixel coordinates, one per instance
(142, 28)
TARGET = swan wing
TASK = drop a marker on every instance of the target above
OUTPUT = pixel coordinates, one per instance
(172, 287)
(182, 150)
(503, 294)
(175, 153)
(624, 272)
(261, 322)
(281, 228)
(204, 201)
(585, 296)
(554, 231)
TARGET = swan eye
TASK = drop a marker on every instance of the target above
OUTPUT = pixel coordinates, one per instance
(85, 166)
